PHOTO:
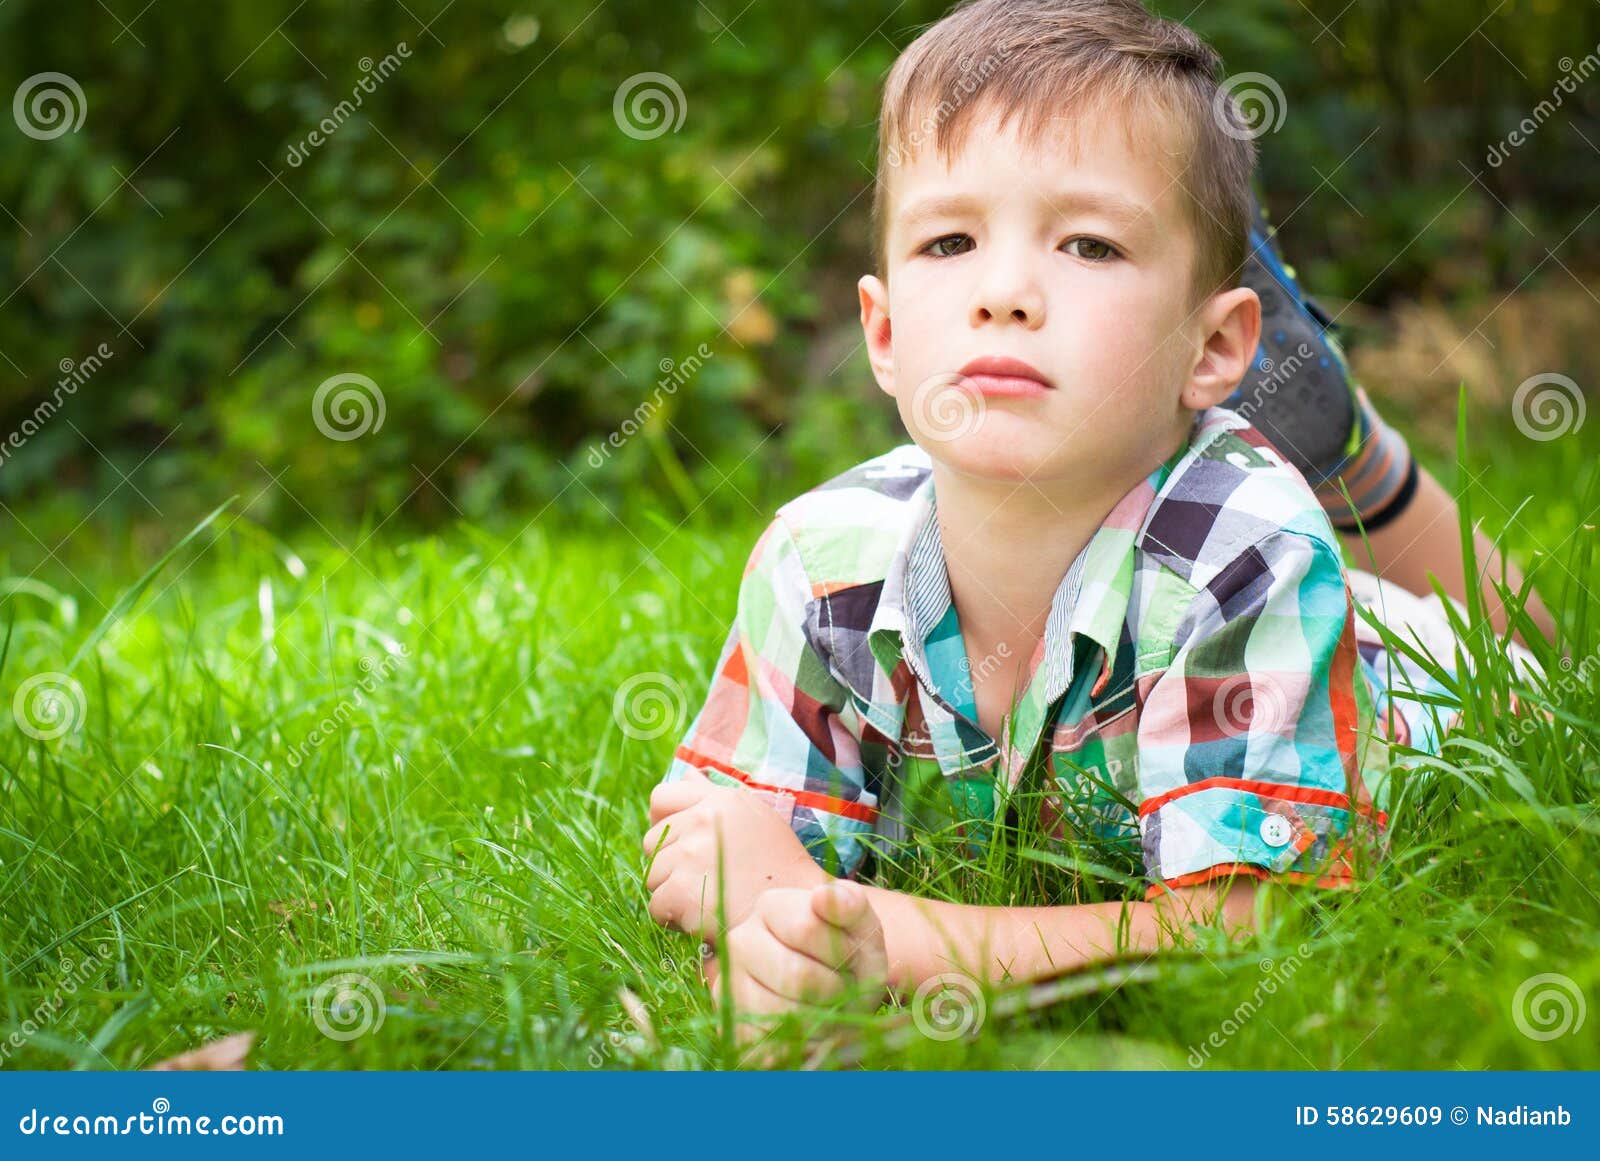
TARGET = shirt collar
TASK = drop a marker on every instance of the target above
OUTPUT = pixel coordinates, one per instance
(1091, 601)
(886, 634)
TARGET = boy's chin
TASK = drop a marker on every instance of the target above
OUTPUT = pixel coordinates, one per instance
(998, 453)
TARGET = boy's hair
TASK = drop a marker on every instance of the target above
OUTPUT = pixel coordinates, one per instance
(1045, 58)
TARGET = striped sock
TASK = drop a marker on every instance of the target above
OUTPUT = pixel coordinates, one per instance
(1378, 470)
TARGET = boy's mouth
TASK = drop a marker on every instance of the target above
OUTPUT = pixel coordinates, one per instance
(1003, 375)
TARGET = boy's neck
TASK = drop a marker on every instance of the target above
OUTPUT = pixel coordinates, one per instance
(1007, 545)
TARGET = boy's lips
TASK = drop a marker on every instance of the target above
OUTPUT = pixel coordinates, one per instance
(1003, 375)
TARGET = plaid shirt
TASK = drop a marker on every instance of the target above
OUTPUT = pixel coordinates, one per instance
(1198, 704)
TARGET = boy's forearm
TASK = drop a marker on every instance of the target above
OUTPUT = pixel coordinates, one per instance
(925, 937)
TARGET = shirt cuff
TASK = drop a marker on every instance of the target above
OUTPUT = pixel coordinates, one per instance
(1223, 826)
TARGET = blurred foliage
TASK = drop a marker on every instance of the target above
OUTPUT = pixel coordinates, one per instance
(518, 276)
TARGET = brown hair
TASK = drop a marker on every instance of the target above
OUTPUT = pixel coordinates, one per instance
(1040, 58)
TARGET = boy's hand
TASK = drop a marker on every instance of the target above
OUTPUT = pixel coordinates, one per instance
(800, 947)
(760, 851)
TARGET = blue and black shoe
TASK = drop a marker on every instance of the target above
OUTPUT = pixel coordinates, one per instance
(1299, 392)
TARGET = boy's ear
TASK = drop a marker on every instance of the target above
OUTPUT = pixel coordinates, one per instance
(1230, 323)
(875, 327)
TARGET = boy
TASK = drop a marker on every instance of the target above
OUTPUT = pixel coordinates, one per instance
(1083, 574)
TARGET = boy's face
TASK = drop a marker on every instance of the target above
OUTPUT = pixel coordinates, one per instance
(1077, 262)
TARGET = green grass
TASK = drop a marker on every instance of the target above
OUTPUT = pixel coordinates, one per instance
(200, 854)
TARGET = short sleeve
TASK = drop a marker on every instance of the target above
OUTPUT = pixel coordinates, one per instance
(1251, 740)
(773, 719)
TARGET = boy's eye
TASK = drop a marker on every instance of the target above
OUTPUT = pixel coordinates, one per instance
(1091, 249)
(937, 247)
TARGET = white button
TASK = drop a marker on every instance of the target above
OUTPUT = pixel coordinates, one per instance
(1275, 830)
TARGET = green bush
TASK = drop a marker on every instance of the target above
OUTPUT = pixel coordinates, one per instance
(478, 237)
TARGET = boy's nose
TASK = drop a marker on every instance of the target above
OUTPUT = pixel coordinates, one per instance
(1011, 297)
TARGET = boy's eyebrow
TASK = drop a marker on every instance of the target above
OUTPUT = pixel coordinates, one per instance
(1114, 206)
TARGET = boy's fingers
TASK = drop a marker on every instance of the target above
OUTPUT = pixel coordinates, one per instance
(661, 835)
(661, 868)
(840, 903)
(785, 975)
(805, 933)
(671, 797)
(670, 829)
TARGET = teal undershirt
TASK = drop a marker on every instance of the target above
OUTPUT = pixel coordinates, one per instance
(950, 672)
(948, 668)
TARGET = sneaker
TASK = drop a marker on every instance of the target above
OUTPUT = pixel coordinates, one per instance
(1298, 392)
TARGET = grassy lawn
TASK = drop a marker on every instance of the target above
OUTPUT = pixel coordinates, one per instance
(374, 798)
